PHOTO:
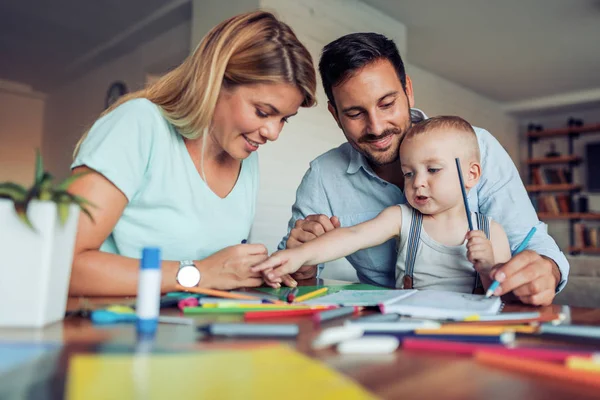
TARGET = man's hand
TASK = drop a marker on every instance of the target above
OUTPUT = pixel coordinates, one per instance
(306, 230)
(532, 278)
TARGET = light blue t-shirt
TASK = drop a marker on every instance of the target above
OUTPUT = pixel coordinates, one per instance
(170, 205)
(341, 183)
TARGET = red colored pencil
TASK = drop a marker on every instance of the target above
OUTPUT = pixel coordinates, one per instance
(552, 371)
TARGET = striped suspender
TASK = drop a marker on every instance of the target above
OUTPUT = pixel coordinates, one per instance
(414, 234)
(483, 224)
(416, 224)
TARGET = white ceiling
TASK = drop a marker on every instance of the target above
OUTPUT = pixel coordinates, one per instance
(508, 50)
(44, 42)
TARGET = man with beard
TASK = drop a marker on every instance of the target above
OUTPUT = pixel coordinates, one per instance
(371, 98)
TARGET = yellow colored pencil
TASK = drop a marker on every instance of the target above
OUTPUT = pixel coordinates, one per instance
(583, 363)
(310, 295)
(477, 330)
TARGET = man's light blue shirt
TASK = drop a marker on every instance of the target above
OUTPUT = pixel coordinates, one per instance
(341, 183)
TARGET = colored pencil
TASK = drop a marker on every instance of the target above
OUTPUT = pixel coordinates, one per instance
(540, 368)
(504, 317)
(583, 364)
(310, 295)
(504, 338)
(537, 353)
(572, 330)
(519, 249)
(464, 193)
(217, 293)
(292, 295)
(250, 330)
(444, 346)
(236, 310)
(477, 330)
(258, 315)
(335, 313)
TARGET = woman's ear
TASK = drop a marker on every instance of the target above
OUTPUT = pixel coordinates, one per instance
(473, 174)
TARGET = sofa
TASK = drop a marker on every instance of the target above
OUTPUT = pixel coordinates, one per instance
(583, 288)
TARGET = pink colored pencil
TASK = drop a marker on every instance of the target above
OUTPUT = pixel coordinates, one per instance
(444, 346)
(544, 354)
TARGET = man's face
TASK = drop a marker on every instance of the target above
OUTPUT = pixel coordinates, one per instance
(373, 111)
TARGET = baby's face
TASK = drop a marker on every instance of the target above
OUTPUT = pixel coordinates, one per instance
(431, 183)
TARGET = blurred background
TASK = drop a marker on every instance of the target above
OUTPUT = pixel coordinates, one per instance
(508, 66)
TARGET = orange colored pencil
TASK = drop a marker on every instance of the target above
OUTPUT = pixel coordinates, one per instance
(540, 368)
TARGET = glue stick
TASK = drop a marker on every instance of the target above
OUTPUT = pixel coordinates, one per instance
(148, 294)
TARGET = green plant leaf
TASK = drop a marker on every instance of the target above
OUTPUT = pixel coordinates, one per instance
(64, 185)
(63, 212)
(21, 210)
(13, 191)
(39, 167)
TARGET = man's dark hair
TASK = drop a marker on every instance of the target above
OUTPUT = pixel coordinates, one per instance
(341, 58)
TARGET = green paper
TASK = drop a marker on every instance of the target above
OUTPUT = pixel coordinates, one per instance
(302, 290)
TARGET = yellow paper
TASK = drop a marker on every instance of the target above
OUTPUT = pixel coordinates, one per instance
(273, 372)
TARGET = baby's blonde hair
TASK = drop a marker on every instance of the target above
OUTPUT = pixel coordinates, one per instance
(246, 49)
(450, 123)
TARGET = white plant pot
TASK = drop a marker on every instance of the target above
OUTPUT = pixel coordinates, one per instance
(35, 267)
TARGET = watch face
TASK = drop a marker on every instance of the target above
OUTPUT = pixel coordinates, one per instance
(188, 276)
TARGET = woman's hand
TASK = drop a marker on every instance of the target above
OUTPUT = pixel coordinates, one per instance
(230, 268)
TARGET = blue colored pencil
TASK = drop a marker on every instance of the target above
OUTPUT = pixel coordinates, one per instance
(464, 193)
(519, 249)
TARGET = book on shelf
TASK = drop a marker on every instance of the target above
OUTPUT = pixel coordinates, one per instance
(553, 204)
(585, 237)
(550, 176)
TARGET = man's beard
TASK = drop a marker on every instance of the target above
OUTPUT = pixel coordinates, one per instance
(381, 158)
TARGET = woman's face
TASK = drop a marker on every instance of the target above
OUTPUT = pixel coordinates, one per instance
(247, 116)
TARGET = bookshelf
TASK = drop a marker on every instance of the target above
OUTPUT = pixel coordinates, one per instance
(552, 188)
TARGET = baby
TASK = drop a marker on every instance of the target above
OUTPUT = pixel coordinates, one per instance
(435, 248)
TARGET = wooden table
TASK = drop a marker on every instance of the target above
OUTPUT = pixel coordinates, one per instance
(406, 375)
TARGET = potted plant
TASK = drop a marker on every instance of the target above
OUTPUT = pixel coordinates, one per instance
(37, 235)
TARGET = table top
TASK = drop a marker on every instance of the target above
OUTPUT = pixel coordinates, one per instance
(406, 375)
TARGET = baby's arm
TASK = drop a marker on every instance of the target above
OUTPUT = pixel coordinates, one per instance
(336, 244)
(485, 254)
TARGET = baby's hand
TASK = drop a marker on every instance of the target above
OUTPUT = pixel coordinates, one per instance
(479, 251)
(287, 280)
(279, 265)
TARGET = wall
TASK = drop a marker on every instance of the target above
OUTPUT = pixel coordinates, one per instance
(553, 120)
(73, 108)
(21, 122)
(439, 96)
(314, 131)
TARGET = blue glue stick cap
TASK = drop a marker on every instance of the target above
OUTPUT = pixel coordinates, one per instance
(150, 258)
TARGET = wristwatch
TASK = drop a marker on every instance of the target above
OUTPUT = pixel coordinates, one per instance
(188, 274)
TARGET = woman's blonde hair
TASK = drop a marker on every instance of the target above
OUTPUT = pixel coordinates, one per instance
(246, 49)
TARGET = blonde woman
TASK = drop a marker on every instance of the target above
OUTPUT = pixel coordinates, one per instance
(175, 165)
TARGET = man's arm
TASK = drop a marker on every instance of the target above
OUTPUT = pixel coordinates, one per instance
(311, 217)
(503, 197)
(531, 275)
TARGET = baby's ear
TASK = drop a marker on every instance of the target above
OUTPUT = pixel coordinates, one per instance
(473, 175)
